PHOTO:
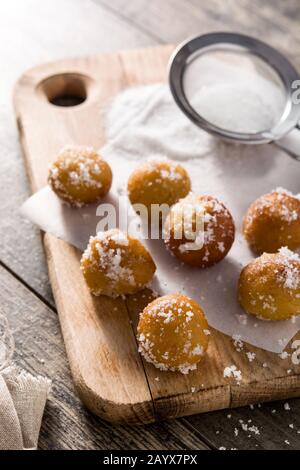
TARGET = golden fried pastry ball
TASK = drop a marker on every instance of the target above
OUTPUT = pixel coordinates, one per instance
(269, 286)
(273, 221)
(173, 333)
(199, 230)
(158, 181)
(115, 264)
(80, 176)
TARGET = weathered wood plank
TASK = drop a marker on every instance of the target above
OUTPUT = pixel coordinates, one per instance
(268, 427)
(261, 19)
(170, 21)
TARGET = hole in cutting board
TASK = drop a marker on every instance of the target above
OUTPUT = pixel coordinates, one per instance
(65, 90)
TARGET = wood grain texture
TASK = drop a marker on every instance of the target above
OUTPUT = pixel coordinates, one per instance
(264, 19)
(109, 375)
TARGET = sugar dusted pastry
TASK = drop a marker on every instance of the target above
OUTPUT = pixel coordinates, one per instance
(158, 181)
(273, 221)
(269, 286)
(116, 264)
(195, 243)
(173, 333)
(80, 176)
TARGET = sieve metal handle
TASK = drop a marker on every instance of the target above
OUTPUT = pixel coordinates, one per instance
(283, 147)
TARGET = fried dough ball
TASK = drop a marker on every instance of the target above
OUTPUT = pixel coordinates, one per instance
(80, 176)
(199, 230)
(173, 333)
(115, 264)
(273, 221)
(158, 181)
(269, 286)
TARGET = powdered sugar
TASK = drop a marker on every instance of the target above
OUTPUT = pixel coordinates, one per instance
(232, 92)
(291, 275)
(231, 98)
(232, 371)
(281, 190)
(279, 203)
(251, 356)
(170, 171)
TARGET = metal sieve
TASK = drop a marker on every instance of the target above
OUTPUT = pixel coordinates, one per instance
(237, 88)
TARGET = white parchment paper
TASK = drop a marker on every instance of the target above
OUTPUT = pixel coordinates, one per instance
(143, 122)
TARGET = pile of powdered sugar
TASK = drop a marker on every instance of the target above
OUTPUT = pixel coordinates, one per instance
(235, 92)
(159, 127)
(291, 275)
(221, 105)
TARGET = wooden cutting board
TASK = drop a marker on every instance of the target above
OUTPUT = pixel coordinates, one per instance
(99, 333)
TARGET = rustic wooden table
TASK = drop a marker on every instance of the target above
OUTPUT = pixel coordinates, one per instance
(32, 32)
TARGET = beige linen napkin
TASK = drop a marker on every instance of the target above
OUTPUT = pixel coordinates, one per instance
(22, 402)
(22, 398)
